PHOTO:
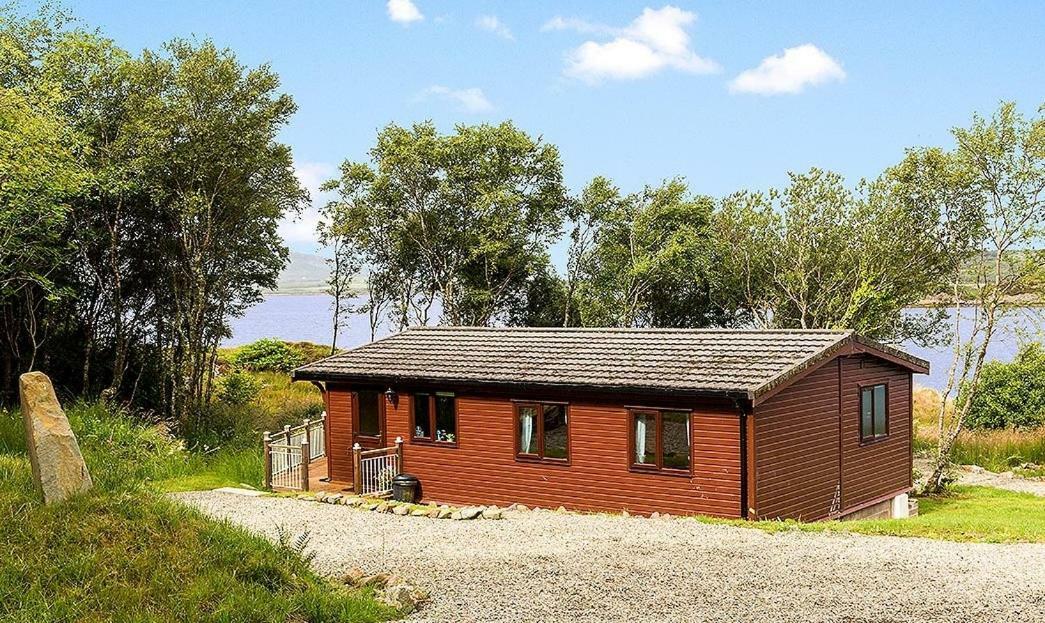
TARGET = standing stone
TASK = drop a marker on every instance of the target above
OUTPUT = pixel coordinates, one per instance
(58, 467)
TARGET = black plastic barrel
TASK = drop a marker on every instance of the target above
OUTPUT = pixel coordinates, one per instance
(404, 488)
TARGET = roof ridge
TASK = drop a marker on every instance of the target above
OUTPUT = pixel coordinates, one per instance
(631, 330)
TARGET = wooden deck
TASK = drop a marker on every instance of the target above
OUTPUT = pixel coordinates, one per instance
(317, 470)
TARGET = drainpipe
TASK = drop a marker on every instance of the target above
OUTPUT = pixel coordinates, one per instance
(744, 505)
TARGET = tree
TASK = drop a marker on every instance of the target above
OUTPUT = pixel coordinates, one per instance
(817, 255)
(1001, 161)
(653, 260)
(205, 129)
(460, 221)
(335, 233)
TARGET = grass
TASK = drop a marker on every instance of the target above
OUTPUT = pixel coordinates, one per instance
(968, 514)
(995, 450)
(124, 552)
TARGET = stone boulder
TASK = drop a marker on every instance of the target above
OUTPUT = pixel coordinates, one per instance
(58, 467)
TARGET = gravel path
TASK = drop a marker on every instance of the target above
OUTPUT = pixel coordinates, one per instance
(547, 566)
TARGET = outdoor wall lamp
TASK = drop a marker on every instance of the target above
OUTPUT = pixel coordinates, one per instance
(392, 397)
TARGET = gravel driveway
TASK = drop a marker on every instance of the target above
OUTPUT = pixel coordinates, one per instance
(547, 566)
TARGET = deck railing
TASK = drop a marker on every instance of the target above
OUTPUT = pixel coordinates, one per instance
(374, 469)
(289, 452)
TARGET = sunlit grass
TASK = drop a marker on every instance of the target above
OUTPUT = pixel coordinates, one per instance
(124, 552)
(973, 514)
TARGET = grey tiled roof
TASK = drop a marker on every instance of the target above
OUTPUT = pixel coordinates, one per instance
(713, 361)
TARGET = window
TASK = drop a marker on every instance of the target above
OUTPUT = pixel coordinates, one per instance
(435, 417)
(370, 413)
(874, 412)
(542, 431)
(660, 440)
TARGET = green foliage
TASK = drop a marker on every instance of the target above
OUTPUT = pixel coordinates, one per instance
(653, 260)
(1010, 395)
(238, 388)
(267, 355)
(464, 219)
(819, 255)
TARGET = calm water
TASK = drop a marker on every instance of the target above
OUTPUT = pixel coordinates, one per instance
(307, 318)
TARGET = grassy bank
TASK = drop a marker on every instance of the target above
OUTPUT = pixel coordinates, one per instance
(967, 514)
(124, 552)
(996, 450)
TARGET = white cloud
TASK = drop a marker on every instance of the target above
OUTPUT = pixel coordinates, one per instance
(579, 25)
(789, 72)
(471, 100)
(653, 41)
(491, 23)
(404, 11)
(301, 229)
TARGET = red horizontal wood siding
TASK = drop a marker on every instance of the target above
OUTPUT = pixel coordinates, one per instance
(873, 470)
(482, 468)
(807, 442)
(796, 448)
(339, 435)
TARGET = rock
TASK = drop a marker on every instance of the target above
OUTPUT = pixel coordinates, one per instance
(399, 596)
(305, 496)
(492, 512)
(321, 496)
(471, 512)
(377, 580)
(58, 467)
(333, 498)
(561, 509)
(401, 510)
(521, 508)
(444, 513)
(666, 516)
(434, 513)
(353, 576)
(421, 512)
(456, 516)
(625, 513)
(370, 506)
(383, 507)
(1006, 474)
(655, 515)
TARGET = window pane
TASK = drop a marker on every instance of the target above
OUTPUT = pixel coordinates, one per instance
(445, 418)
(368, 413)
(555, 445)
(675, 436)
(645, 438)
(422, 422)
(866, 424)
(528, 430)
(880, 412)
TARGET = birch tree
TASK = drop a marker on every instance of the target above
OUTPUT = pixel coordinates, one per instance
(1001, 162)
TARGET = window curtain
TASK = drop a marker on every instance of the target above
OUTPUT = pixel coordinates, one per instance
(526, 417)
(640, 439)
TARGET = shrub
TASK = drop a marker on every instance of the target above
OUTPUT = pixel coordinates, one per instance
(268, 354)
(238, 388)
(1011, 395)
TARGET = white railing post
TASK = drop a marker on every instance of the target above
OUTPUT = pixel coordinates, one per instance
(267, 441)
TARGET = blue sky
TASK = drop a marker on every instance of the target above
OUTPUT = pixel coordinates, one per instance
(728, 95)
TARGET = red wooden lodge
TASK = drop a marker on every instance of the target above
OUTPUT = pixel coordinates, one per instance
(732, 423)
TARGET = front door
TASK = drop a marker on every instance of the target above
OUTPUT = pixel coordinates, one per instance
(368, 425)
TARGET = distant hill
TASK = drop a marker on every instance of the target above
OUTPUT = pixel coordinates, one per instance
(306, 274)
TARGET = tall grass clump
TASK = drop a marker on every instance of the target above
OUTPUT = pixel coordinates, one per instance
(994, 449)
